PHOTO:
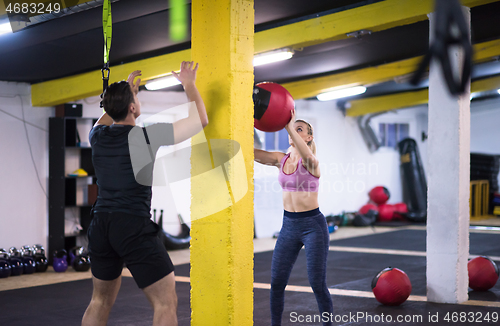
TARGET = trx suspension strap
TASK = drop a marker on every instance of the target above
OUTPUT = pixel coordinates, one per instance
(450, 29)
(106, 28)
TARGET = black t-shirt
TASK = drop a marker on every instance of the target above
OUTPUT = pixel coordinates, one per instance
(118, 189)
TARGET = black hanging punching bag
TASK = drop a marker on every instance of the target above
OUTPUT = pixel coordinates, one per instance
(414, 182)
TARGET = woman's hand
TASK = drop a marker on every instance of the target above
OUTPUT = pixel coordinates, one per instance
(289, 125)
(187, 75)
(130, 81)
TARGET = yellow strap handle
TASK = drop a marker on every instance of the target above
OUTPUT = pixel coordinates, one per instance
(106, 28)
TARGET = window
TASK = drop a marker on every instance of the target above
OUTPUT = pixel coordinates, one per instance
(277, 141)
(390, 134)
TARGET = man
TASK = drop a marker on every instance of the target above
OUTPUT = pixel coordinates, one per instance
(121, 229)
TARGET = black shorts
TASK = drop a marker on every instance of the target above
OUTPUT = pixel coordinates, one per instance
(116, 238)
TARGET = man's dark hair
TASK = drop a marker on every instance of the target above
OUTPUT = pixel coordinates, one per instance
(116, 100)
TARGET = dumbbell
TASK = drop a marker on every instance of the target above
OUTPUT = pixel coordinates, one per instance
(60, 262)
(16, 264)
(28, 260)
(5, 269)
(41, 261)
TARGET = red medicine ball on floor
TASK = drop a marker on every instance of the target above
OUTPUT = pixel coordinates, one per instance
(272, 105)
(385, 212)
(483, 273)
(379, 195)
(400, 209)
(391, 286)
(366, 208)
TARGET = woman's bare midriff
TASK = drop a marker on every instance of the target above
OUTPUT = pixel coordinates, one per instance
(300, 201)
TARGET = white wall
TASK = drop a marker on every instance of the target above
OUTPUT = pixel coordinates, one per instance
(23, 201)
(485, 127)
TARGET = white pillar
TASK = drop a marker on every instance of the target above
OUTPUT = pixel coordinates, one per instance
(449, 181)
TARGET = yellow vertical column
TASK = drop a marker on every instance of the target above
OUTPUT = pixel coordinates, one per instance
(222, 243)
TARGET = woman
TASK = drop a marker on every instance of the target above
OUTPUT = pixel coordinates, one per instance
(303, 223)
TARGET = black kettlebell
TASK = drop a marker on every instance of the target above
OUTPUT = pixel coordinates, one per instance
(16, 264)
(28, 260)
(81, 263)
(41, 262)
(38, 250)
(5, 269)
(74, 253)
(80, 259)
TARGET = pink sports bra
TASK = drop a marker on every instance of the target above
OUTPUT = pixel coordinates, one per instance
(300, 180)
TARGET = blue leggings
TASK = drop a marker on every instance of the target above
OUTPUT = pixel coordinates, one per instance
(307, 229)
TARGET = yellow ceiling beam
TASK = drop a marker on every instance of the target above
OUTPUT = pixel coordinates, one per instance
(486, 84)
(387, 102)
(486, 51)
(76, 87)
(375, 17)
(409, 99)
(373, 75)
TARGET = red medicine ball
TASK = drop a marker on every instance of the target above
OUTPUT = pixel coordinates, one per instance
(379, 195)
(399, 210)
(366, 208)
(272, 105)
(391, 286)
(385, 212)
(483, 273)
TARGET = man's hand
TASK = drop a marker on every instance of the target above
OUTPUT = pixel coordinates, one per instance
(187, 75)
(130, 80)
(197, 118)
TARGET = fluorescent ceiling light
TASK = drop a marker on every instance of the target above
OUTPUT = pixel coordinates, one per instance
(5, 28)
(162, 83)
(341, 93)
(273, 56)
